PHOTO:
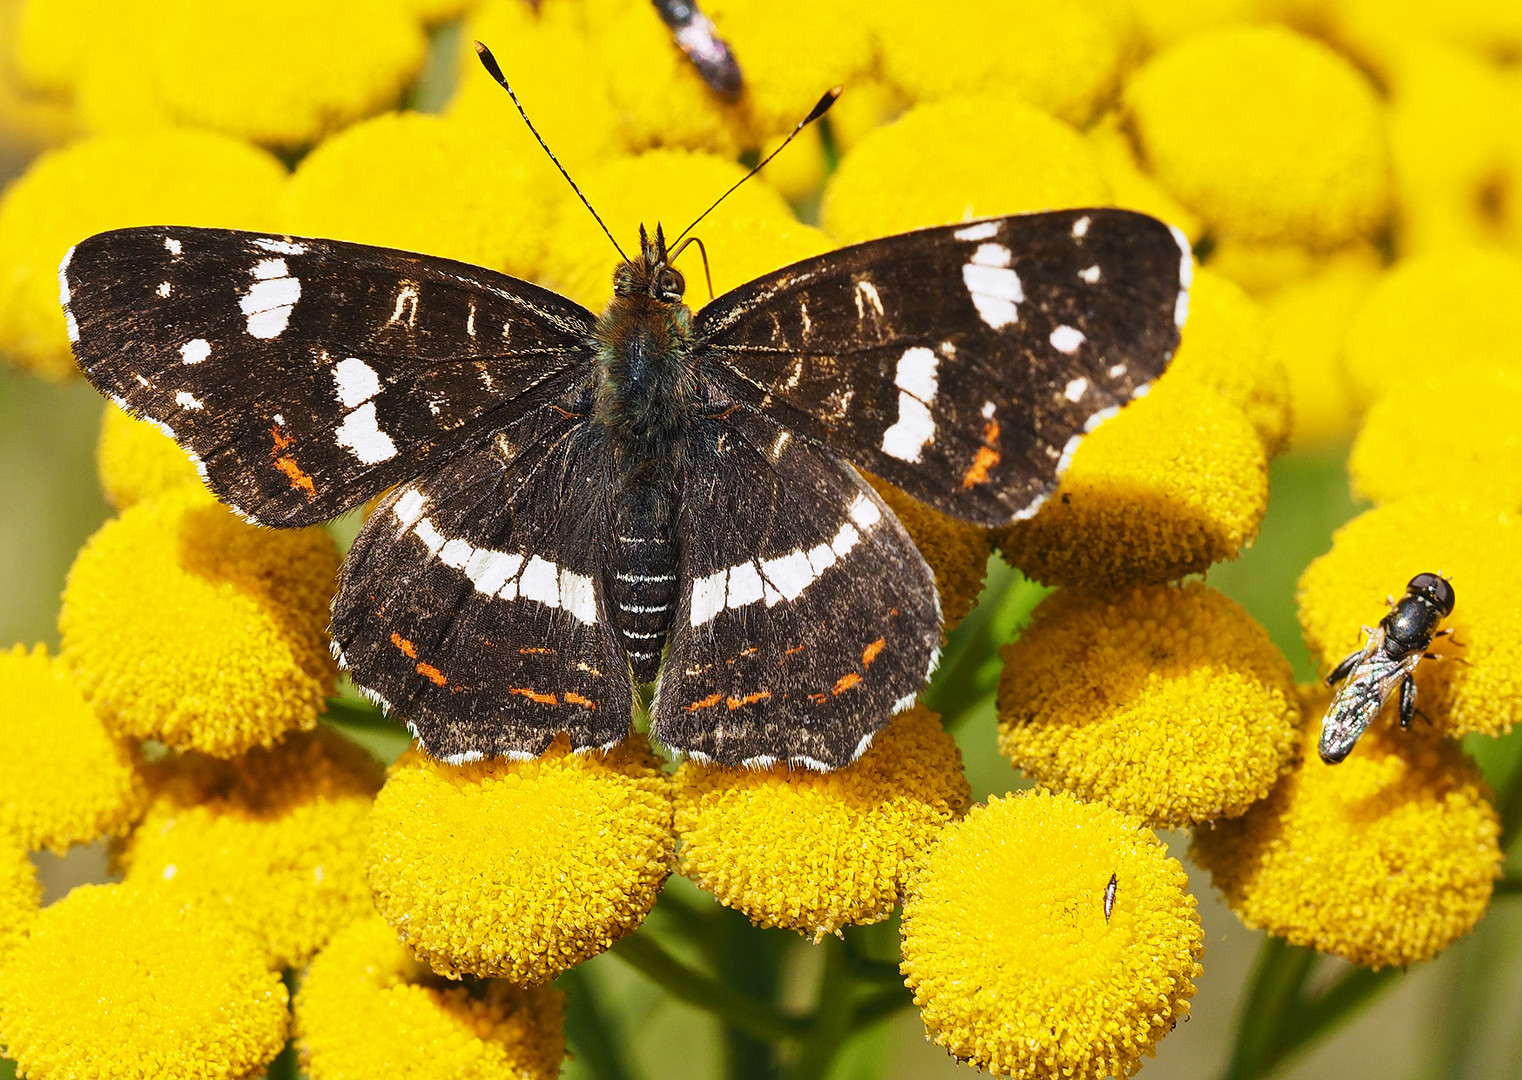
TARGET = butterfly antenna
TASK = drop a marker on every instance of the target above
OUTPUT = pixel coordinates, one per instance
(489, 62)
(819, 109)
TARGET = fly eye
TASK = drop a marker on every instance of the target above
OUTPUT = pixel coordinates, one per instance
(1434, 588)
(671, 284)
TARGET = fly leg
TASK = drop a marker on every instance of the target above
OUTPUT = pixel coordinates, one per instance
(1344, 669)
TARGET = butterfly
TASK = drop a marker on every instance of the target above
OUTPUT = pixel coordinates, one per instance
(575, 505)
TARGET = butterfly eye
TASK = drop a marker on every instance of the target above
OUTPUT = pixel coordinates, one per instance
(671, 284)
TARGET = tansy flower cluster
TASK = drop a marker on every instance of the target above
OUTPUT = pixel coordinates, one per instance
(1347, 181)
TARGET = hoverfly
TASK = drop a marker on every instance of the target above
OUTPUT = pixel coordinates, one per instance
(1386, 662)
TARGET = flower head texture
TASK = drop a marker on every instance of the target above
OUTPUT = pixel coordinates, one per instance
(817, 851)
(275, 837)
(1014, 965)
(119, 981)
(63, 780)
(1386, 858)
(1479, 548)
(520, 869)
(1175, 482)
(184, 624)
(956, 551)
(1168, 703)
(137, 461)
(366, 1009)
(20, 894)
(185, 176)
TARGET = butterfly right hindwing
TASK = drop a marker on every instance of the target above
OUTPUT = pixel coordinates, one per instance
(306, 376)
(472, 605)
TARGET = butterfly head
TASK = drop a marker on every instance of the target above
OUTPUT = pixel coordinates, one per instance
(651, 274)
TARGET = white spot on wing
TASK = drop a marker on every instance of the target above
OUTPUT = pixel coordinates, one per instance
(186, 400)
(789, 575)
(355, 381)
(995, 288)
(406, 304)
(866, 297)
(489, 570)
(983, 230)
(361, 436)
(432, 539)
(409, 507)
(1066, 339)
(1090, 274)
(744, 586)
(917, 373)
(268, 243)
(66, 296)
(1185, 275)
(164, 289)
(577, 596)
(1081, 227)
(707, 597)
(864, 512)
(540, 582)
(173, 246)
(911, 432)
(270, 299)
(1075, 389)
(456, 554)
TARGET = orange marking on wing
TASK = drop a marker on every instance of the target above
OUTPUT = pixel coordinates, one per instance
(573, 698)
(711, 699)
(871, 652)
(536, 649)
(281, 441)
(409, 650)
(432, 674)
(726, 412)
(986, 458)
(534, 695)
(795, 649)
(845, 682)
(819, 699)
(749, 699)
(299, 479)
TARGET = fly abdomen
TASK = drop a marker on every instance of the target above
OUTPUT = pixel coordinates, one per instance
(643, 585)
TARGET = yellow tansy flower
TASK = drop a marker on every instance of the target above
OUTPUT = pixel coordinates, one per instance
(1175, 482)
(1387, 858)
(187, 625)
(1266, 134)
(1307, 324)
(277, 78)
(1478, 457)
(753, 232)
(276, 837)
(1454, 308)
(1165, 21)
(1479, 548)
(963, 158)
(1225, 346)
(1131, 186)
(1014, 965)
(1263, 266)
(186, 177)
(424, 183)
(63, 779)
(1064, 58)
(30, 118)
(119, 981)
(956, 551)
(520, 869)
(367, 1009)
(813, 851)
(1168, 703)
(20, 894)
(137, 461)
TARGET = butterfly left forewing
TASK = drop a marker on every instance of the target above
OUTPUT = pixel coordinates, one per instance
(960, 363)
(806, 617)
(303, 375)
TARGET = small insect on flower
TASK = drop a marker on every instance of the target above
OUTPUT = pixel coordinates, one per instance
(1387, 661)
(1110, 896)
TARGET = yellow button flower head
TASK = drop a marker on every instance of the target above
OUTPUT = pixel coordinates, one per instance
(137, 461)
(366, 1008)
(187, 177)
(956, 551)
(1387, 858)
(1225, 347)
(954, 160)
(520, 869)
(424, 183)
(1130, 185)
(276, 837)
(545, 53)
(1014, 965)
(1479, 548)
(63, 779)
(1165, 21)
(812, 851)
(1065, 58)
(1175, 482)
(1168, 703)
(1307, 324)
(267, 72)
(119, 981)
(1266, 134)
(1453, 308)
(753, 232)
(1479, 456)
(186, 625)
(20, 893)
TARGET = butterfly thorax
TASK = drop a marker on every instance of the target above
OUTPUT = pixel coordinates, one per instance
(646, 390)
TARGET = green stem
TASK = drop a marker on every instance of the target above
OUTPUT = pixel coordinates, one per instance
(762, 1020)
(590, 1030)
(1278, 976)
(882, 1004)
(1308, 1021)
(1509, 802)
(832, 1015)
